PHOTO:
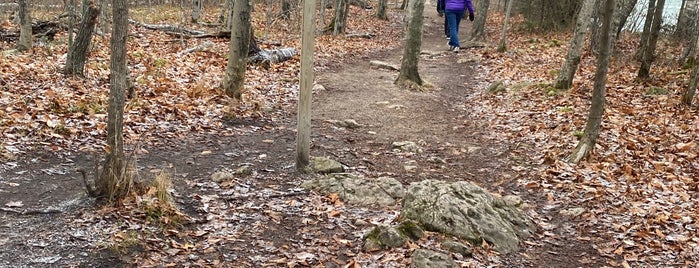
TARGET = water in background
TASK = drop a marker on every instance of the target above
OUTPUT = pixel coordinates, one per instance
(670, 13)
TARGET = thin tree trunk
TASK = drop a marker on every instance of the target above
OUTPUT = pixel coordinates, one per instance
(688, 96)
(381, 9)
(303, 135)
(567, 73)
(689, 54)
(196, 10)
(413, 42)
(649, 53)
(682, 20)
(234, 79)
(502, 47)
(621, 17)
(114, 182)
(594, 119)
(647, 25)
(25, 26)
(478, 32)
(77, 54)
(340, 20)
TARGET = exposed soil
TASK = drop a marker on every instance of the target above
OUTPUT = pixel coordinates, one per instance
(263, 219)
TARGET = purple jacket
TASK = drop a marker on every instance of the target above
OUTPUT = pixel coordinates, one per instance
(459, 5)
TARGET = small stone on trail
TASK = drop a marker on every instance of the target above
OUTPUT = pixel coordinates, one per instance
(572, 212)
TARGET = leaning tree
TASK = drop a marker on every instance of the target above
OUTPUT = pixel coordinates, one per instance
(594, 120)
(567, 72)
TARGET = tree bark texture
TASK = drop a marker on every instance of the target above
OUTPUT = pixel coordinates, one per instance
(621, 16)
(648, 54)
(114, 182)
(303, 133)
(647, 25)
(25, 24)
(340, 20)
(478, 30)
(594, 119)
(689, 54)
(502, 47)
(196, 10)
(688, 96)
(234, 79)
(77, 53)
(567, 73)
(381, 9)
(413, 43)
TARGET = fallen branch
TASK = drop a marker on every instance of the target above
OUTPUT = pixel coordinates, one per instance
(201, 47)
(270, 196)
(359, 35)
(169, 29)
(273, 56)
(32, 211)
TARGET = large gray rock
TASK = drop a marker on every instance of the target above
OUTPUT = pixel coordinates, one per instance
(381, 191)
(423, 258)
(467, 211)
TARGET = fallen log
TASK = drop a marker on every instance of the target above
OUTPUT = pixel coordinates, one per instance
(40, 29)
(201, 47)
(169, 29)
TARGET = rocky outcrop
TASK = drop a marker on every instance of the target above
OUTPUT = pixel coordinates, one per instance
(464, 210)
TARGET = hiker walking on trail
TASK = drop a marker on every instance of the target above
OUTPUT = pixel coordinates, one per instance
(453, 11)
(440, 12)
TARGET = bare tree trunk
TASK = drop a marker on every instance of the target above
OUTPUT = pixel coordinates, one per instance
(594, 119)
(303, 135)
(25, 26)
(689, 55)
(381, 9)
(104, 16)
(196, 10)
(647, 25)
(567, 73)
(114, 182)
(340, 21)
(413, 42)
(621, 16)
(478, 32)
(682, 21)
(234, 79)
(688, 96)
(321, 16)
(649, 53)
(502, 47)
(77, 53)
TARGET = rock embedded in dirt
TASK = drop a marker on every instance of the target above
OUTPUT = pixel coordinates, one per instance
(457, 247)
(381, 191)
(406, 146)
(221, 176)
(572, 212)
(347, 123)
(423, 258)
(384, 237)
(325, 165)
(467, 211)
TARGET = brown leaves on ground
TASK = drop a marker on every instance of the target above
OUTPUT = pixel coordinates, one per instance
(640, 186)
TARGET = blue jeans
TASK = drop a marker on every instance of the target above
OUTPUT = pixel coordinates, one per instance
(453, 21)
(446, 26)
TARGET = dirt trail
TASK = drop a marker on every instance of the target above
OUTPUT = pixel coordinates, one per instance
(258, 230)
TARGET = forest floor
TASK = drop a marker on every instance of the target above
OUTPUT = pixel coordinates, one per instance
(262, 218)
